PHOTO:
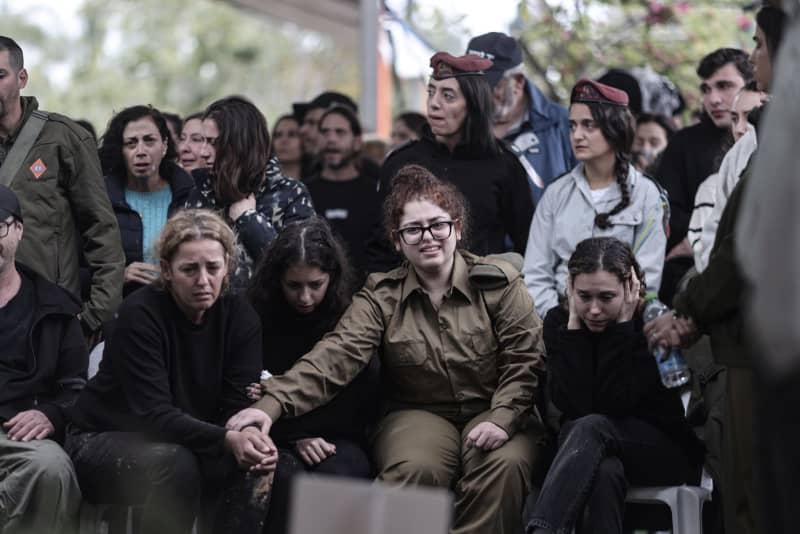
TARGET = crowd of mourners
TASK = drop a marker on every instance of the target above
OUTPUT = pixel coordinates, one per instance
(459, 309)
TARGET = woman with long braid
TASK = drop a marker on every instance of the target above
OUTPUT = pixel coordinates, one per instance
(604, 195)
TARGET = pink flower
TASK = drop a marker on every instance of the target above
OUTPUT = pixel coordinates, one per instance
(744, 23)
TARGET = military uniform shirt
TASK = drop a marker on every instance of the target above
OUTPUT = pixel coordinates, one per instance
(455, 362)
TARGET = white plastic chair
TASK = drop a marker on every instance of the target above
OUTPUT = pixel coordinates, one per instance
(94, 521)
(94, 358)
(685, 502)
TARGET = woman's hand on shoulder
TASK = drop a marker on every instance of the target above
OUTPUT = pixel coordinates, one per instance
(314, 450)
(486, 436)
(630, 300)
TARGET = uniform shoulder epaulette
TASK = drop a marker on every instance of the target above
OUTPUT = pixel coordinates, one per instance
(495, 271)
(395, 275)
(79, 131)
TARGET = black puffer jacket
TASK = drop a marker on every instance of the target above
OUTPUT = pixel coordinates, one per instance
(130, 223)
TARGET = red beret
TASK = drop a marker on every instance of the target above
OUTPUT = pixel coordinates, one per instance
(592, 91)
(447, 66)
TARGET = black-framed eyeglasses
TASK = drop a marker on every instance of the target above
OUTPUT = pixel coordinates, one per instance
(5, 226)
(413, 235)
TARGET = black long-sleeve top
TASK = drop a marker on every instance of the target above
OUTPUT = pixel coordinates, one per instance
(286, 337)
(495, 186)
(692, 155)
(43, 356)
(611, 373)
(174, 380)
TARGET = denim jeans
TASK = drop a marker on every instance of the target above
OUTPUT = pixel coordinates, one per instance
(168, 481)
(598, 456)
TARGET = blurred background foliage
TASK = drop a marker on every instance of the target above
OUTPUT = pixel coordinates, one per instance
(180, 55)
(566, 41)
(177, 55)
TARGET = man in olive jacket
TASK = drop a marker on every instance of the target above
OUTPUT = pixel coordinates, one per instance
(63, 197)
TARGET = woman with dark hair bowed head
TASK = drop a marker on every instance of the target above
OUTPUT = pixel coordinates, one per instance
(459, 146)
(300, 291)
(144, 184)
(604, 195)
(460, 353)
(620, 425)
(244, 183)
(148, 428)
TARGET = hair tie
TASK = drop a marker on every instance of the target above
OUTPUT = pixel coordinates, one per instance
(601, 221)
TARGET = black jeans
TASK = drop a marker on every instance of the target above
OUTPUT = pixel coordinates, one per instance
(597, 457)
(168, 481)
(350, 460)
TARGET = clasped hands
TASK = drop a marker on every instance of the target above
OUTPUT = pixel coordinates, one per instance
(247, 438)
(671, 330)
(486, 436)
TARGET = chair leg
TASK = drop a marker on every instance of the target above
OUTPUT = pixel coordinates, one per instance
(91, 519)
(690, 513)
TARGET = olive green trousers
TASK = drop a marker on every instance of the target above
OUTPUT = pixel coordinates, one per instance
(38, 489)
(417, 447)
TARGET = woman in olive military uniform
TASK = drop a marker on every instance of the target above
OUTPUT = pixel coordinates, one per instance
(461, 351)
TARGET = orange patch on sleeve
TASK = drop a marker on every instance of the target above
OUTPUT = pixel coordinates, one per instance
(38, 168)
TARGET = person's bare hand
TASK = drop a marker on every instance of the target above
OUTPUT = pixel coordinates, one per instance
(684, 248)
(574, 322)
(247, 417)
(486, 436)
(29, 425)
(686, 330)
(251, 449)
(659, 331)
(140, 272)
(314, 450)
(240, 206)
(630, 300)
(255, 391)
(265, 445)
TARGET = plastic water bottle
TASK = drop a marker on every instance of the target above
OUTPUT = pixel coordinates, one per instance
(672, 365)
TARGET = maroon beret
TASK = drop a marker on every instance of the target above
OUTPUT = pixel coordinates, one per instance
(592, 91)
(447, 66)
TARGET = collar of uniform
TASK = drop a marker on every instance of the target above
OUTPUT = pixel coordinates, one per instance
(28, 104)
(582, 183)
(460, 280)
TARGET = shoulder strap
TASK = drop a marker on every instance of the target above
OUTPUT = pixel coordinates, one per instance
(533, 176)
(22, 145)
(491, 276)
(651, 220)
